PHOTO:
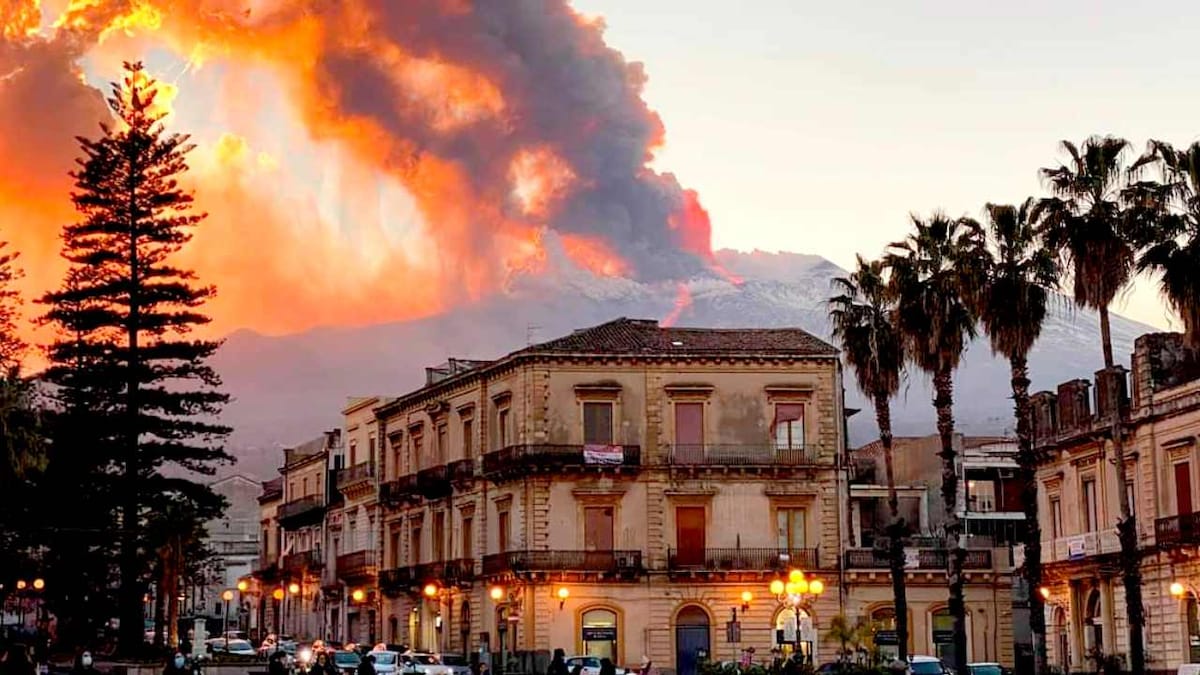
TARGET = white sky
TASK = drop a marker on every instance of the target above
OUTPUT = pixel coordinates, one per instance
(818, 126)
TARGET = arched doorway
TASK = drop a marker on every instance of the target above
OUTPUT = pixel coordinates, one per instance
(598, 630)
(393, 629)
(465, 629)
(887, 641)
(691, 639)
(1062, 644)
(1093, 624)
(941, 624)
(794, 633)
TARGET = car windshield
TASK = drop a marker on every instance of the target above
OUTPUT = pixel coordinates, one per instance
(240, 645)
(927, 668)
(454, 660)
(425, 659)
(384, 658)
(990, 669)
(346, 658)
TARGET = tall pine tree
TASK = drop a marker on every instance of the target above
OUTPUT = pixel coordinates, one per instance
(124, 362)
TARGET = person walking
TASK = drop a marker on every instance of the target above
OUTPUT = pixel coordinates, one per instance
(275, 664)
(367, 665)
(176, 665)
(558, 665)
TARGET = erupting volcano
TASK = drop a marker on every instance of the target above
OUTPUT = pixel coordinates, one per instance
(361, 160)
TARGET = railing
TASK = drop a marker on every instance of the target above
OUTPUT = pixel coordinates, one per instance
(434, 482)
(395, 491)
(356, 565)
(1181, 529)
(518, 562)
(445, 572)
(294, 563)
(522, 458)
(266, 567)
(927, 559)
(1081, 546)
(742, 559)
(355, 474)
(461, 470)
(763, 454)
(298, 508)
(396, 579)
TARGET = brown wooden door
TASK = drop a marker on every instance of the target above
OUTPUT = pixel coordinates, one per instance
(1183, 488)
(689, 535)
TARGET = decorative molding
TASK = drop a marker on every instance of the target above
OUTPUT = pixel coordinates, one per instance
(689, 389)
(466, 410)
(691, 491)
(597, 492)
(790, 389)
(791, 489)
(1180, 442)
(502, 397)
(608, 390)
(437, 408)
(1085, 461)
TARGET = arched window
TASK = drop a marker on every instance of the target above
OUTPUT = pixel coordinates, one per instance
(794, 632)
(393, 630)
(883, 625)
(465, 629)
(598, 628)
(941, 624)
(1062, 643)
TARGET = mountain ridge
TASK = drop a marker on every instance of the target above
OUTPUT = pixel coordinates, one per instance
(289, 388)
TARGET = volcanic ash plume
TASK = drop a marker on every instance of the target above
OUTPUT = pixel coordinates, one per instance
(502, 119)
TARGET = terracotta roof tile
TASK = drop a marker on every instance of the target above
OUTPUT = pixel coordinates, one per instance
(634, 336)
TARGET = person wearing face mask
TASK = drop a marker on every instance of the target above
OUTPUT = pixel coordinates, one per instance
(83, 665)
(176, 665)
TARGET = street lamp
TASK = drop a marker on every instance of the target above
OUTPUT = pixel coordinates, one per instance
(358, 595)
(1176, 589)
(747, 596)
(798, 592)
(227, 596)
(563, 593)
(243, 586)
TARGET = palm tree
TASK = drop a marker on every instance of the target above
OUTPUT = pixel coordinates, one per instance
(863, 316)
(1011, 305)
(934, 273)
(1087, 223)
(1172, 235)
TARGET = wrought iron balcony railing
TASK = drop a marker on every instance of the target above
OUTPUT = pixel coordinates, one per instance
(742, 559)
(356, 565)
(400, 490)
(519, 459)
(303, 511)
(518, 562)
(296, 563)
(1177, 530)
(927, 559)
(461, 470)
(434, 482)
(353, 475)
(747, 455)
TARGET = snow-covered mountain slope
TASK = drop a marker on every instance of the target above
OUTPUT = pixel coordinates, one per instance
(289, 388)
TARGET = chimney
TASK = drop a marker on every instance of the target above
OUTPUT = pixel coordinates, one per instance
(1045, 417)
(1074, 405)
(1112, 394)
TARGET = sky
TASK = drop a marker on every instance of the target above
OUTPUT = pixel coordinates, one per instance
(819, 126)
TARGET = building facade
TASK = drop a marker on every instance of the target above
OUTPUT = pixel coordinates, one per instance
(990, 512)
(234, 539)
(1078, 502)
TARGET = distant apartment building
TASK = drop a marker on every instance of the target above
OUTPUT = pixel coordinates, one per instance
(993, 521)
(1078, 486)
(234, 539)
(264, 580)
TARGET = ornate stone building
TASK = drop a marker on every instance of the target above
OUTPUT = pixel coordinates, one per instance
(1085, 599)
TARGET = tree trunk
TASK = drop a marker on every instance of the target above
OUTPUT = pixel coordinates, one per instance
(943, 401)
(130, 635)
(1027, 472)
(896, 529)
(176, 577)
(1106, 338)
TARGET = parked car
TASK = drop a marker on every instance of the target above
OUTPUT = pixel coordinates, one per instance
(987, 669)
(591, 665)
(346, 661)
(457, 663)
(927, 665)
(386, 662)
(418, 663)
(222, 645)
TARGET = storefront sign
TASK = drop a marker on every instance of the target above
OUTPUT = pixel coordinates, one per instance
(599, 633)
(943, 637)
(886, 638)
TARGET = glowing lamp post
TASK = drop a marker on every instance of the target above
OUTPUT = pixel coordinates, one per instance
(227, 596)
(798, 592)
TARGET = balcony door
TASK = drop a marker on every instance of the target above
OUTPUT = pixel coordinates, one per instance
(689, 433)
(1183, 488)
(598, 528)
(689, 535)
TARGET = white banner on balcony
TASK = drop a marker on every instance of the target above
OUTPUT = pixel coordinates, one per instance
(603, 454)
(912, 558)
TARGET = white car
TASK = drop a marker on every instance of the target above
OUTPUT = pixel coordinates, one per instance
(591, 665)
(386, 662)
(231, 646)
(457, 663)
(417, 663)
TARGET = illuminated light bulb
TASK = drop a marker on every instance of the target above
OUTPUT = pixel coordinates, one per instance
(1045, 592)
(358, 595)
(277, 594)
(816, 587)
(564, 593)
(747, 596)
(39, 584)
(777, 587)
(497, 593)
(242, 586)
(795, 576)
(430, 590)
(1176, 589)
(293, 588)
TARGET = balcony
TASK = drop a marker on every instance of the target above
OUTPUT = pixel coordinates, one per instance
(1081, 546)
(626, 563)
(298, 563)
(1178, 530)
(356, 566)
(352, 477)
(396, 492)
(395, 581)
(434, 482)
(742, 559)
(933, 559)
(266, 568)
(461, 470)
(519, 460)
(764, 455)
(300, 512)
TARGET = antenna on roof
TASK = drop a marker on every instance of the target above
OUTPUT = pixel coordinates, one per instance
(530, 331)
